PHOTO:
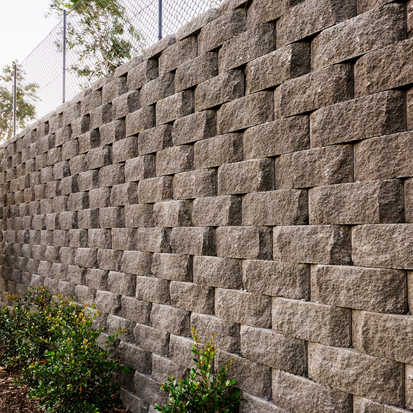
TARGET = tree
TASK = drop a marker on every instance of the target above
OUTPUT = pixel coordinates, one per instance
(100, 35)
(26, 97)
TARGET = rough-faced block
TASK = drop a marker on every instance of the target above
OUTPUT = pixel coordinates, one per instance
(122, 284)
(99, 238)
(88, 180)
(312, 322)
(139, 215)
(125, 104)
(408, 203)
(142, 73)
(151, 339)
(247, 46)
(135, 357)
(362, 405)
(124, 238)
(296, 244)
(140, 120)
(153, 239)
(385, 157)
(135, 310)
(174, 160)
(112, 175)
(192, 241)
(170, 320)
(301, 395)
(245, 112)
(124, 194)
(194, 26)
(172, 214)
(155, 190)
(96, 279)
(148, 389)
(178, 53)
(195, 127)
(163, 368)
(174, 107)
(136, 262)
(366, 117)
(218, 90)
(262, 11)
(174, 267)
(256, 404)
(154, 51)
(243, 307)
(266, 347)
(142, 167)
(312, 16)
(277, 279)
(180, 350)
(217, 272)
(88, 218)
(378, 379)
(113, 131)
(132, 402)
(383, 335)
(314, 167)
(86, 257)
(217, 211)
(155, 139)
(153, 290)
(125, 149)
(384, 69)
(378, 28)
(386, 246)
(195, 184)
(99, 157)
(218, 150)
(247, 176)
(158, 89)
(192, 297)
(369, 289)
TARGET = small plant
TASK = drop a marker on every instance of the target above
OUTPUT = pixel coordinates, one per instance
(52, 341)
(203, 392)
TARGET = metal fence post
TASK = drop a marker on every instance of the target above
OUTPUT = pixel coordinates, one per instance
(64, 56)
(14, 99)
(160, 20)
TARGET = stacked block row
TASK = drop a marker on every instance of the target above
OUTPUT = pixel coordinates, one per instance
(250, 176)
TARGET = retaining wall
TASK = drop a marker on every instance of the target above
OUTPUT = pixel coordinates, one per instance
(250, 177)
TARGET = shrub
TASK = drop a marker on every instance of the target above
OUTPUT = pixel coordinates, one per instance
(56, 348)
(203, 392)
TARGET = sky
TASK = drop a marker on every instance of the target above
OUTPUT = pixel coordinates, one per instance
(23, 26)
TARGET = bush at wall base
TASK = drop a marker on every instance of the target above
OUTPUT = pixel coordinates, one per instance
(203, 392)
(52, 341)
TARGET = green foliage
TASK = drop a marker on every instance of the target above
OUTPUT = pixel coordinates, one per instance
(203, 392)
(52, 340)
(26, 97)
(99, 34)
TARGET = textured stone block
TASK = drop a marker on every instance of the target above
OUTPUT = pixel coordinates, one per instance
(195, 184)
(149, 390)
(136, 262)
(78, 164)
(314, 167)
(124, 194)
(98, 157)
(120, 283)
(96, 279)
(195, 127)
(312, 322)
(317, 89)
(112, 175)
(244, 242)
(301, 395)
(312, 16)
(251, 377)
(296, 244)
(113, 131)
(142, 73)
(192, 241)
(125, 149)
(154, 51)
(383, 335)
(172, 214)
(170, 320)
(180, 351)
(247, 46)
(227, 334)
(140, 120)
(218, 90)
(174, 107)
(277, 279)
(152, 290)
(109, 259)
(151, 339)
(387, 246)
(218, 150)
(124, 238)
(174, 267)
(245, 112)
(245, 177)
(194, 26)
(384, 69)
(262, 11)
(135, 357)
(99, 238)
(135, 310)
(217, 272)
(266, 347)
(153, 239)
(139, 215)
(370, 289)
(112, 217)
(258, 405)
(217, 211)
(132, 402)
(373, 202)
(78, 238)
(174, 160)
(373, 30)
(378, 379)
(196, 71)
(158, 89)
(88, 180)
(178, 53)
(89, 140)
(384, 157)
(284, 207)
(243, 307)
(100, 116)
(142, 167)
(125, 104)
(114, 323)
(88, 218)
(366, 117)
(408, 196)
(155, 139)
(113, 88)
(225, 27)
(192, 297)
(163, 368)
(155, 190)
(362, 405)
(86, 257)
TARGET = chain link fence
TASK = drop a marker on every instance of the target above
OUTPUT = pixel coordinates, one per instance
(101, 35)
